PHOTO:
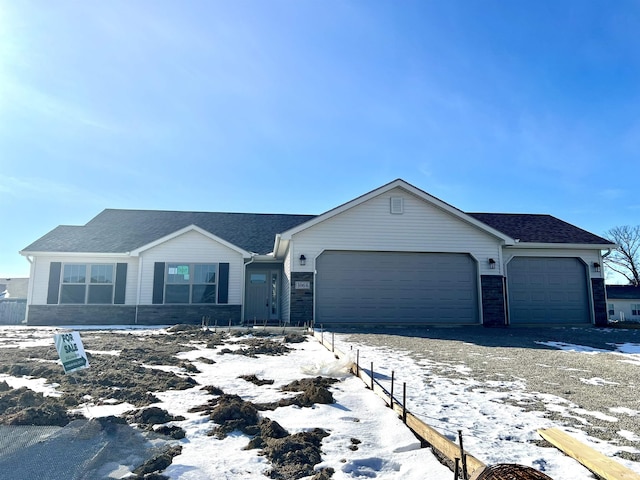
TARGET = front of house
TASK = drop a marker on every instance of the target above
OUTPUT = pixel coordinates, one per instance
(393, 256)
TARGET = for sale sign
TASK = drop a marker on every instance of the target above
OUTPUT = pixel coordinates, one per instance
(71, 351)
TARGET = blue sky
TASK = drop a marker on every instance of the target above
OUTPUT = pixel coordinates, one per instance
(298, 106)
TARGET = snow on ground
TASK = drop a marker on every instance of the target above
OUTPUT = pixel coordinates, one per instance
(388, 450)
(494, 431)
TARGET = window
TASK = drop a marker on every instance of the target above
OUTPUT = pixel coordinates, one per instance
(77, 287)
(191, 283)
(635, 309)
(612, 310)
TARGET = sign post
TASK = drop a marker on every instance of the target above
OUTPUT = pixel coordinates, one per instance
(71, 351)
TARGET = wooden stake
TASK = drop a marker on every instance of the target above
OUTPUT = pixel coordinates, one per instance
(333, 342)
(463, 456)
(456, 471)
(372, 376)
(404, 402)
(391, 396)
(358, 363)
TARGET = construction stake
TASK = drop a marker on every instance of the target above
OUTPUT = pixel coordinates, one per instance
(391, 396)
(463, 456)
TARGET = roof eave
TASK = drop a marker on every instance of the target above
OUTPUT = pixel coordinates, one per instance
(567, 246)
(36, 253)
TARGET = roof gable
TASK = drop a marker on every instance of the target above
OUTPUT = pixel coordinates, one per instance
(399, 183)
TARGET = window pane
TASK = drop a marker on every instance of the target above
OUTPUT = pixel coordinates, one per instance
(100, 294)
(204, 273)
(258, 278)
(74, 274)
(178, 273)
(176, 294)
(204, 294)
(72, 294)
(101, 273)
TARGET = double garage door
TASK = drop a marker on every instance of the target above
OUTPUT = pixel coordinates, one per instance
(547, 291)
(354, 287)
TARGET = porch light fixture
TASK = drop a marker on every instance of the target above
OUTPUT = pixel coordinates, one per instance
(492, 264)
(596, 267)
(303, 260)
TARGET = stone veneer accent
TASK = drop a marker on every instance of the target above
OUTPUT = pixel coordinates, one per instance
(81, 315)
(126, 314)
(301, 300)
(599, 302)
(493, 304)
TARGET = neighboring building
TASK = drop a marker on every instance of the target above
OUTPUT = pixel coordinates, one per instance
(13, 300)
(623, 303)
(393, 256)
(14, 287)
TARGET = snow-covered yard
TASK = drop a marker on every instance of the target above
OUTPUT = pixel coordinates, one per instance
(453, 385)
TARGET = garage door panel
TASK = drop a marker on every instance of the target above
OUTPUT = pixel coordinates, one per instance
(547, 291)
(396, 287)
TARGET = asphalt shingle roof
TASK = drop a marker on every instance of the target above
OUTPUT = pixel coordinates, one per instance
(120, 231)
(534, 228)
(623, 292)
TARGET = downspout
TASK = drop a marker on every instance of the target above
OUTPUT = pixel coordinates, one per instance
(32, 269)
(244, 286)
(139, 289)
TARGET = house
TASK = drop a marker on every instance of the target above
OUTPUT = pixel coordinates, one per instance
(13, 300)
(393, 256)
(623, 303)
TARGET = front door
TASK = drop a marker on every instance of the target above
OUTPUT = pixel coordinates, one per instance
(262, 295)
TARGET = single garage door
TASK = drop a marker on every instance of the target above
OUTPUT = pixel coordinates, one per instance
(547, 290)
(396, 288)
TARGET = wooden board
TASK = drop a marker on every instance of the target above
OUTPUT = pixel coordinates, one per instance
(599, 464)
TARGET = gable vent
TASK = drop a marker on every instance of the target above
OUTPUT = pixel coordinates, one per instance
(397, 205)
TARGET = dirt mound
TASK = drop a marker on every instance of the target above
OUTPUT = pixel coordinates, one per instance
(255, 380)
(231, 413)
(22, 406)
(294, 456)
(151, 416)
(257, 346)
(294, 338)
(156, 464)
(314, 390)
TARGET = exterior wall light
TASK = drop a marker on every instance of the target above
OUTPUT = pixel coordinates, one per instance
(596, 267)
(492, 264)
(303, 260)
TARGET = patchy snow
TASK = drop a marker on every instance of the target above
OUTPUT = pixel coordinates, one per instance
(495, 427)
(39, 385)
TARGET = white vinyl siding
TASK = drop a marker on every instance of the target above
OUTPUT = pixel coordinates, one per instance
(42, 264)
(422, 227)
(191, 247)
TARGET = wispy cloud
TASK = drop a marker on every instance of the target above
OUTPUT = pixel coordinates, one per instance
(33, 188)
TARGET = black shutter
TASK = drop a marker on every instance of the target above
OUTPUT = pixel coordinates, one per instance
(158, 283)
(223, 283)
(121, 284)
(54, 282)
